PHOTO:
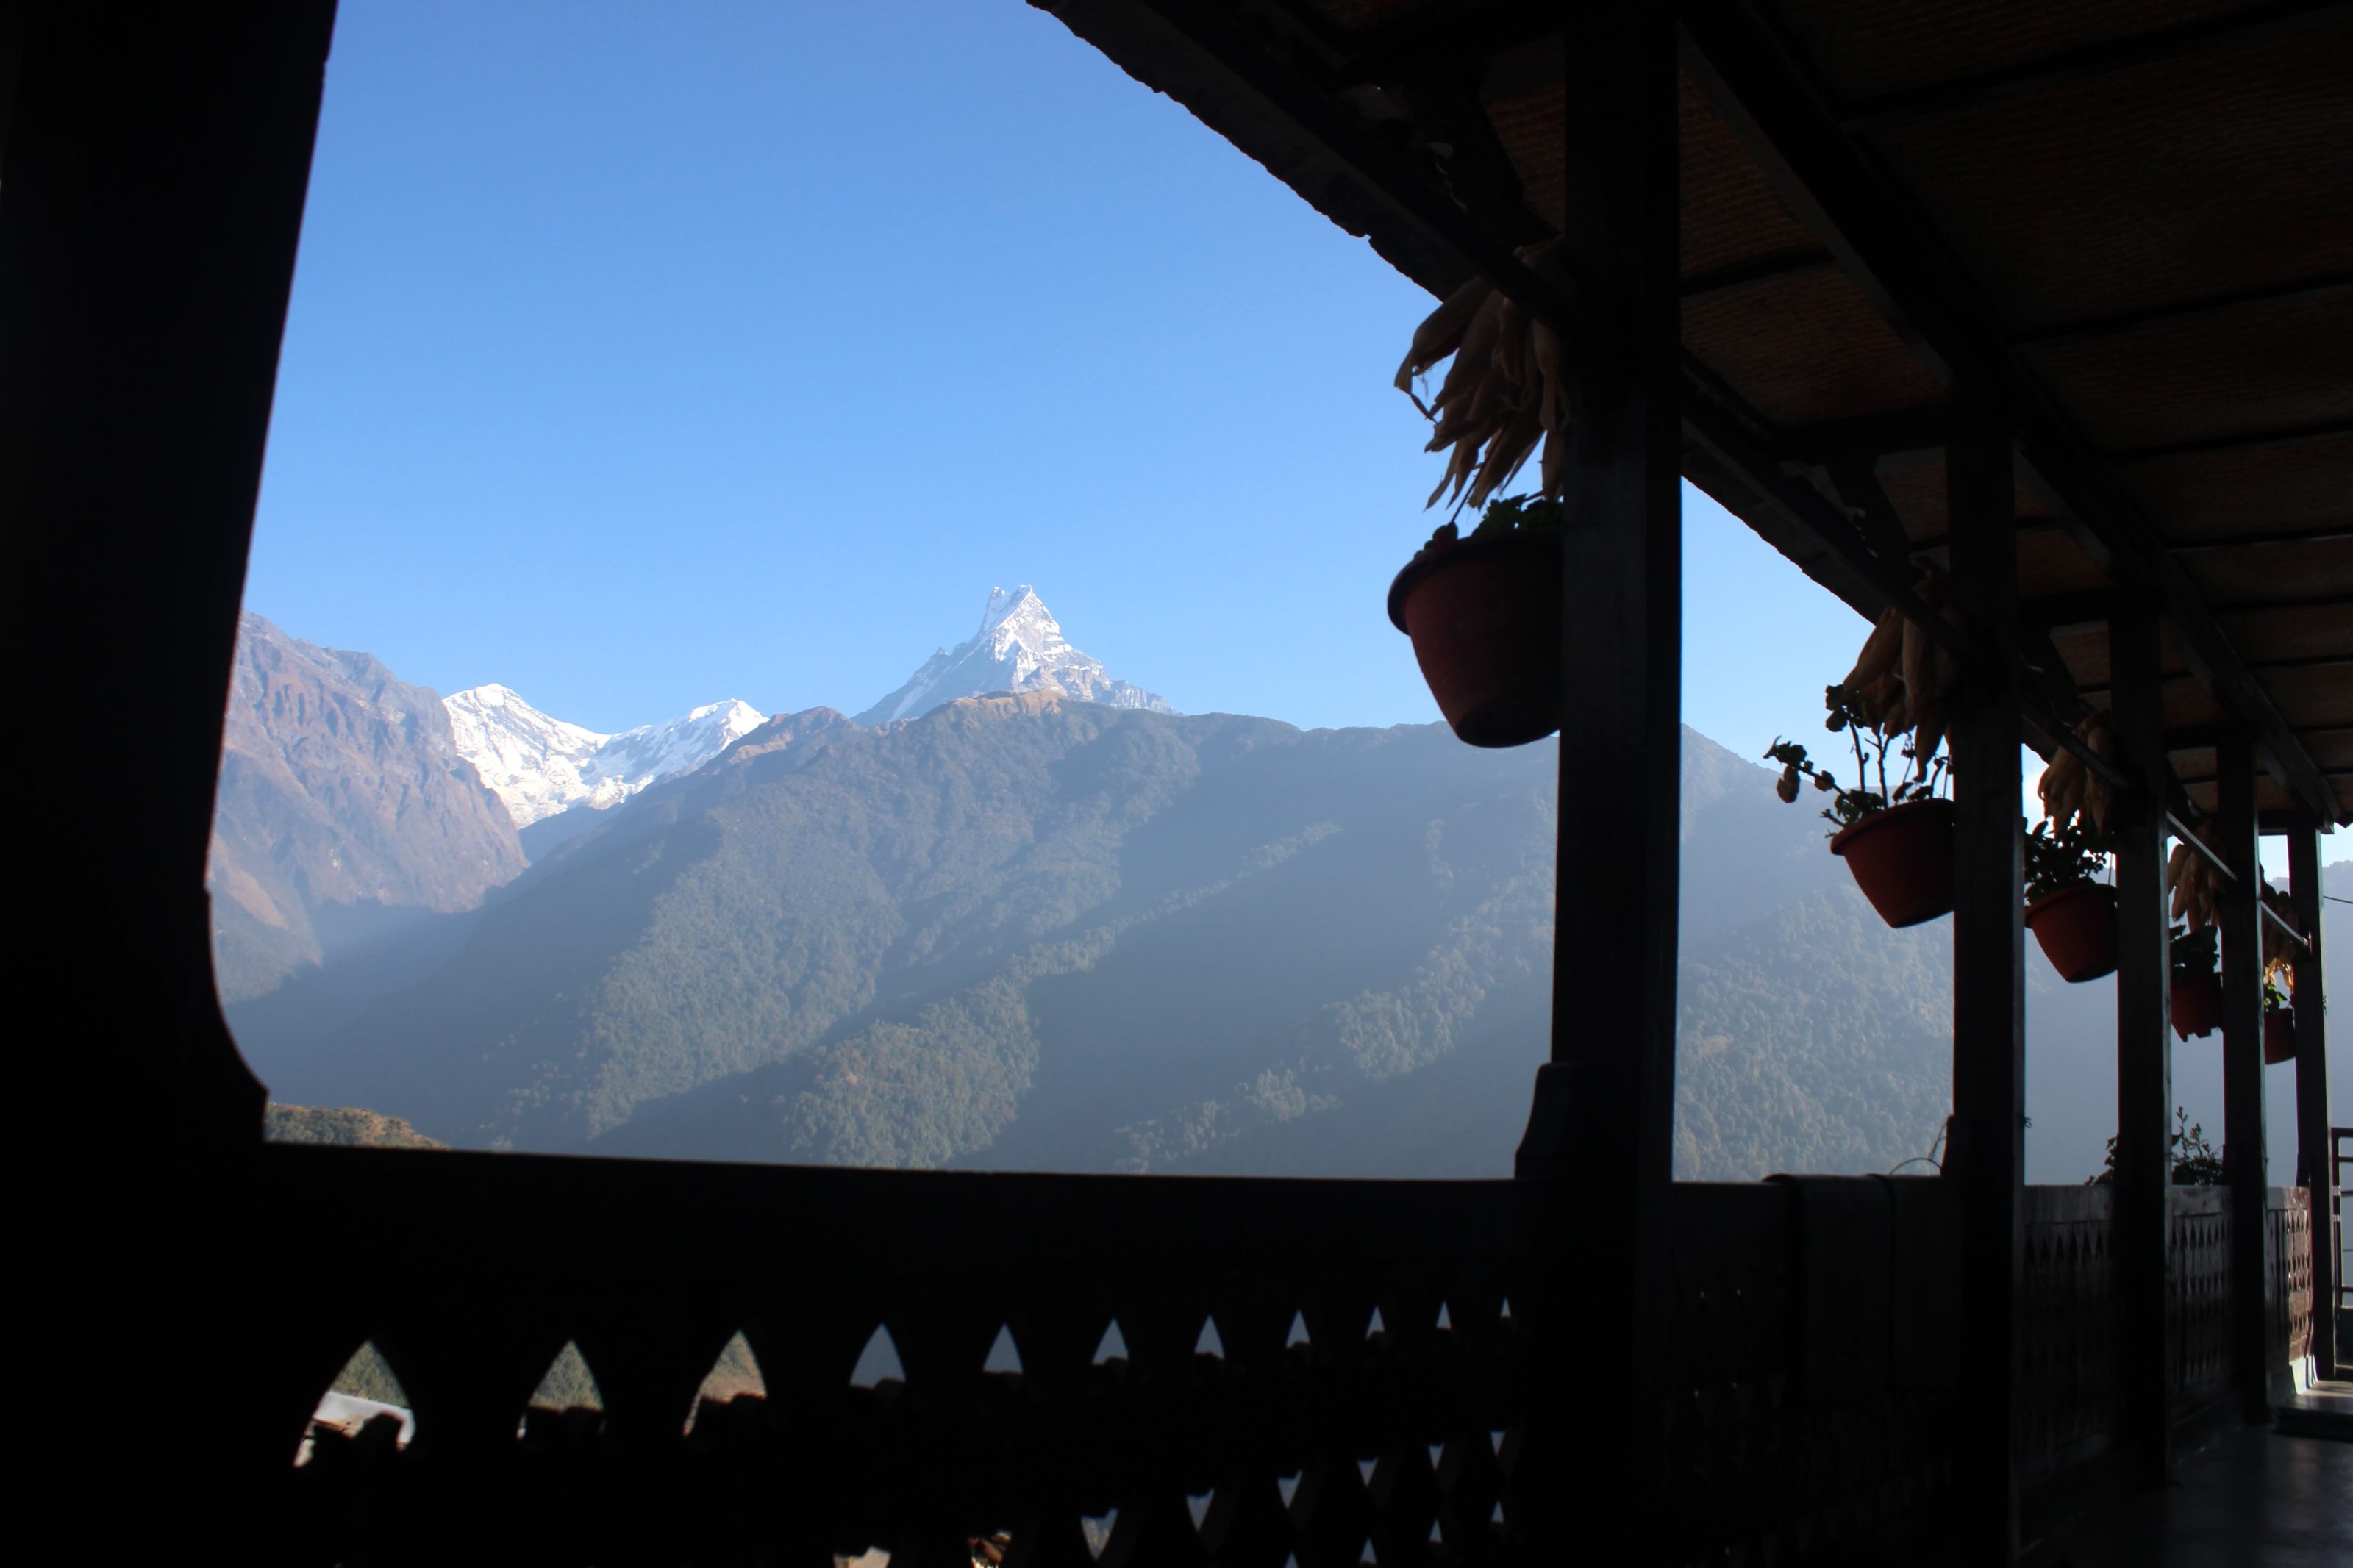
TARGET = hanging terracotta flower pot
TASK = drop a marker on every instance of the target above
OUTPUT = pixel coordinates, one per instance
(2077, 928)
(2279, 1035)
(1903, 860)
(1484, 616)
(2197, 1004)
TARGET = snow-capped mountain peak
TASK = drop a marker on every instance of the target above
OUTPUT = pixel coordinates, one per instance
(628, 762)
(1018, 647)
(540, 765)
(530, 761)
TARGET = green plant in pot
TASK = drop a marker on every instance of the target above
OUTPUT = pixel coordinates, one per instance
(2196, 1162)
(2279, 1015)
(2071, 913)
(1484, 615)
(2197, 987)
(1897, 840)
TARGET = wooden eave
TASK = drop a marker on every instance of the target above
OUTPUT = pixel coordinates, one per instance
(2125, 218)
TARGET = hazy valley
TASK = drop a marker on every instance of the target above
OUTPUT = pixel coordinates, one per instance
(1031, 931)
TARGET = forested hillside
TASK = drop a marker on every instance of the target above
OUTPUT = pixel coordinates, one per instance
(1026, 932)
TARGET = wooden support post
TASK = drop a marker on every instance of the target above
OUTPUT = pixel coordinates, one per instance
(2144, 1170)
(1599, 1136)
(2312, 1143)
(2242, 1069)
(1987, 1150)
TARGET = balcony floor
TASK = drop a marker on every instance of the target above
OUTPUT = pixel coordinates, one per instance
(2253, 1498)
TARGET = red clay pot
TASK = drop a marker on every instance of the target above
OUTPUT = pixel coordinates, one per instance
(1903, 860)
(2279, 1037)
(2077, 928)
(1484, 616)
(2197, 1004)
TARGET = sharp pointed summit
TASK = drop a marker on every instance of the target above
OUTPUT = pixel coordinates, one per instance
(1019, 647)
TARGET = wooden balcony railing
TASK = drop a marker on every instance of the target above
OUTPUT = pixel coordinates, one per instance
(1311, 1370)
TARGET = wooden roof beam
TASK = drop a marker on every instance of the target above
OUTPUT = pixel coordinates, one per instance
(1789, 511)
(2291, 602)
(2301, 292)
(2263, 541)
(2292, 435)
(2068, 612)
(1878, 437)
(2086, 59)
(1237, 82)
(1455, 39)
(1766, 96)
(1740, 275)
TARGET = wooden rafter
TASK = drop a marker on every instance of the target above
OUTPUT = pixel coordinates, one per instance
(1765, 94)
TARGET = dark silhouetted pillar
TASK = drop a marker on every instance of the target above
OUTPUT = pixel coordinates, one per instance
(1987, 1150)
(2312, 1142)
(2144, 1170)
(1599, 1136)
(2243, 1070)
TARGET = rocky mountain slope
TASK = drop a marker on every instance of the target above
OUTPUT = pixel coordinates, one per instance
(1019, 647)
(343, 807)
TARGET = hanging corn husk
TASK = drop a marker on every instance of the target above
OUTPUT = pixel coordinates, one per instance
(2194, 883)
(2070, 787)
(1903, 678)
(2280, 949)
(1504, 394)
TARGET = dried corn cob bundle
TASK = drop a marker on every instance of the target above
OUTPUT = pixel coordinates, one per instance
(1880, 651)
(1930, 669)
(1504, 393)
(2070, 787)
(2195, 884)
(2061, 788)
(2279, 948)
(2098, 796)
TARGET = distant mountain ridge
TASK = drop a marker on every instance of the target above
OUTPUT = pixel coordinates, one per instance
(1018, 647)
(1025, 932)
(352, 801)
(540, 766)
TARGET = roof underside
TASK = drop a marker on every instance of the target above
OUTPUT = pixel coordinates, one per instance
(2134, 211)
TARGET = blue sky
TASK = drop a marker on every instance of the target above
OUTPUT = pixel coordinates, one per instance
(643, 355)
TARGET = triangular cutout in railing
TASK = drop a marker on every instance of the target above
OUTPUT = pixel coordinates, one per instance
(1200, 1506)
(1288, 1486)
(879, 1363)
(1377, 1328)
(736, 1371)
(1299, 1334)
(1209, 1344)
(1112, 1346)
(364, 1391)
(1098, 1527)
(1445, 1319)
(568, 1383)
(1004, 1355)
